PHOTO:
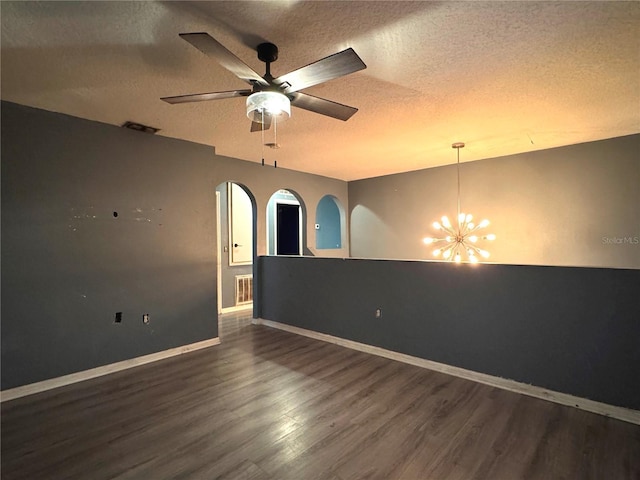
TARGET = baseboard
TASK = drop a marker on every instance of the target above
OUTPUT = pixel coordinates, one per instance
(52, 383)
(237, 308)
(619, 413)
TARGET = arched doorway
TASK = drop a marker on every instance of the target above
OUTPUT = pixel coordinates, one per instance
(286, 224)
(235, 233)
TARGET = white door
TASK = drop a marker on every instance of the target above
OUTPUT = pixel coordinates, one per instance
(240, 226)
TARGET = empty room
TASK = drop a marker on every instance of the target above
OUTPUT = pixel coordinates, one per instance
(331, 240)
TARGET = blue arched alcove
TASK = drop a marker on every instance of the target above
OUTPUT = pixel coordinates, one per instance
(328, 223)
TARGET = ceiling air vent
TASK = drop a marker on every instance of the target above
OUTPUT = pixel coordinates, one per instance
(140, 128)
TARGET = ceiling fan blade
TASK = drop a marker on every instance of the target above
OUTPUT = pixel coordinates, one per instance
(257, 127)
(322, 106)
(211, 47)
(333, 66)
(202, 97)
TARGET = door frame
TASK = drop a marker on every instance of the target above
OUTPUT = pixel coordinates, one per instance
(219, 256)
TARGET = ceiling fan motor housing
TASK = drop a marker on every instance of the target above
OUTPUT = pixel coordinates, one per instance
(267, 52)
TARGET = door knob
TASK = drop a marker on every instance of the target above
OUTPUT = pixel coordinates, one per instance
(235, 245)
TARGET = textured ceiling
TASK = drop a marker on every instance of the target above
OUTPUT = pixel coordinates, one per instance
(504, 77)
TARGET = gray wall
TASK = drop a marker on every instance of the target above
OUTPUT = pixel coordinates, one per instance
(68, 264)
(572, 330)
(574, 206)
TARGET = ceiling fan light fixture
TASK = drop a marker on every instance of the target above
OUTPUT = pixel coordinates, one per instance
(272, 104)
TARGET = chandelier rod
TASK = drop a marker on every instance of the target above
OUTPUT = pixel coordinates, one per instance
(458, 149)
(458, 146)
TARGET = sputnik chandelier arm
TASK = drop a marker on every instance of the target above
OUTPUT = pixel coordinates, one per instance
(462, 237)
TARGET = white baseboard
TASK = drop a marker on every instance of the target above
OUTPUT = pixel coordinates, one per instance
(237, 308)
(619, 413)
(51, 383)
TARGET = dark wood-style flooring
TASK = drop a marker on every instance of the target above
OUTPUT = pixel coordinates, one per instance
(266, 404)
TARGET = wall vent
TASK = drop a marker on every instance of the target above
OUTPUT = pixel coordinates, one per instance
(139, 127)
(244, 289)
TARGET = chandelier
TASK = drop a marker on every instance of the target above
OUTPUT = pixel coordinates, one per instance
(462, 237)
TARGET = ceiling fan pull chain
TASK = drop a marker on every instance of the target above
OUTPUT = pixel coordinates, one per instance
(262, 133)
(275, 137)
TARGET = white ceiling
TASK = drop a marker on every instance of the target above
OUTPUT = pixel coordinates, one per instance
(504, 77)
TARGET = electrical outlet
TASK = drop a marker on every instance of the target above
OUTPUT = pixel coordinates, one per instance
(145, 318)
(378, 312)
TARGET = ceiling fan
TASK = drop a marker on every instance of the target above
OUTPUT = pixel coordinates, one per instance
(270, 98)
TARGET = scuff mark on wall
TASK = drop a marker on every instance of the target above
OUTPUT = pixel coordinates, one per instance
(142, 218)
(80, 215)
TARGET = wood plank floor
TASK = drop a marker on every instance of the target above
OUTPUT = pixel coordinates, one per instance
(267, 404)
